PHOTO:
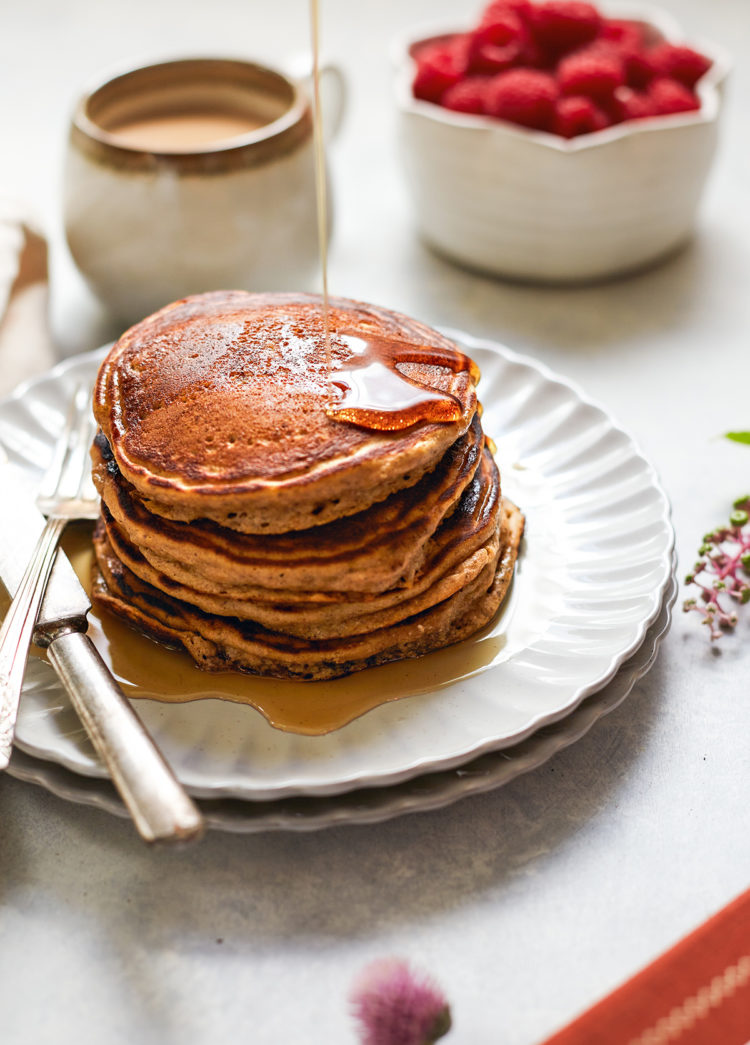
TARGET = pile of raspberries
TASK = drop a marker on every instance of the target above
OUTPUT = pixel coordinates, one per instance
(558, 66)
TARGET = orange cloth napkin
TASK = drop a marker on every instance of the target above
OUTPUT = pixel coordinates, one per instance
(698, 993)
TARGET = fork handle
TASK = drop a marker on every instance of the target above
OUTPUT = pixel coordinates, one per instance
(160, 808)
(18, 628)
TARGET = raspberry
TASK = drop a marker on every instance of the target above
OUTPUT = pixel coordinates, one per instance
(595, 73)
(499, 25)
(534, 56)
(563, 25)
(578, 115)
(558, 66)
(439, 66)
(466, 96)
(632, 105)
(635, 61)
(524, 96)
(486, 59)
(523, 9)
(622, 34)
(497, 43)
(639, 69)
(679, 63)
(669, 96)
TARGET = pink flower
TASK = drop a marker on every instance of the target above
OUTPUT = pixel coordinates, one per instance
(397, 1006)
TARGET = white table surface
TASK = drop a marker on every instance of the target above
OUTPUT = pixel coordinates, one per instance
(529, 903)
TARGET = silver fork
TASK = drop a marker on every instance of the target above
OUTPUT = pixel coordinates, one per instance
(60, 499)
(159, 806)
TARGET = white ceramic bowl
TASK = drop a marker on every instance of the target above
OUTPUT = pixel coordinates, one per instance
(531, 205)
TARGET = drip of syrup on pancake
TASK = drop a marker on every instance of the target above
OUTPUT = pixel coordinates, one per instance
(371, 390)
(377, 395)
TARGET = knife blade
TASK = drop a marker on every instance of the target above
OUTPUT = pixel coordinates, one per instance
(159, 806)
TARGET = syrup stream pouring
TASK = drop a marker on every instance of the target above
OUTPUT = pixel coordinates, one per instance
(320, 182)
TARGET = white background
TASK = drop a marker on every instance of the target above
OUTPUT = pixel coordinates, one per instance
(527, 904)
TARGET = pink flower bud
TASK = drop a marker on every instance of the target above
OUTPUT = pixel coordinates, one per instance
(395, 1005)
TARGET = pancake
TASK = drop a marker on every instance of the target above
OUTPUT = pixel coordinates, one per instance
(314, 622)
(465, 543)
(371, 551)
(293, 500)
(217, 407)
(219, 643)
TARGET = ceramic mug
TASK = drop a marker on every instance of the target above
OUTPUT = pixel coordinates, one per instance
(175, 211)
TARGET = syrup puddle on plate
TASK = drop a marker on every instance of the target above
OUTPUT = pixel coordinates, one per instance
(146, 670)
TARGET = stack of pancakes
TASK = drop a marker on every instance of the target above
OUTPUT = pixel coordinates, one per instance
(243, 521)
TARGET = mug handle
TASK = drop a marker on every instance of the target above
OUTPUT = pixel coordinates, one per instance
(332, 90)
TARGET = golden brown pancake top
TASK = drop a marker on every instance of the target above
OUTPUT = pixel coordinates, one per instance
(224, 394)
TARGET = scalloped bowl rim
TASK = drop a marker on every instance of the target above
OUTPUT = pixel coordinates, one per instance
(707, 88)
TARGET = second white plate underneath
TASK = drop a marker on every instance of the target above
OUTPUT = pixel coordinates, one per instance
(371, 805)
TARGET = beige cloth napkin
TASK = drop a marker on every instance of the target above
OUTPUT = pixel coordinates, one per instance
(26, 346)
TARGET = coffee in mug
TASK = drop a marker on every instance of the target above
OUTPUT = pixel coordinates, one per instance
(192, 175)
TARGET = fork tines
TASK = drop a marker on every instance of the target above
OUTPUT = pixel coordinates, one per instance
(67, 488)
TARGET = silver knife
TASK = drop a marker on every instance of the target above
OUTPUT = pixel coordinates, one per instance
(159, 806)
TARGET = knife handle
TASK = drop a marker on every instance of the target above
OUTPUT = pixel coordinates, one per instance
(160, 808)
(18, 627)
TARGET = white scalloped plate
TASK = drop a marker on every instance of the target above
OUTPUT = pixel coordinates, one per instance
(374, 804)
(591, 578)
